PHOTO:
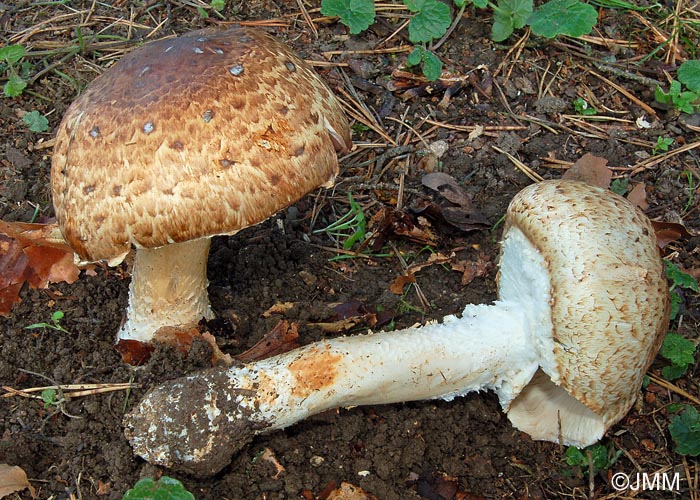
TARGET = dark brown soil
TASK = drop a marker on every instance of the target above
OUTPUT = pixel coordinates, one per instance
(464, 449)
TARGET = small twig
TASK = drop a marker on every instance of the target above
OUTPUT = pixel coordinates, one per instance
(534, 176)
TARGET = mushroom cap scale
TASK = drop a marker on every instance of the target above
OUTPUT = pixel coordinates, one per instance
(609, 300)
(191, 137)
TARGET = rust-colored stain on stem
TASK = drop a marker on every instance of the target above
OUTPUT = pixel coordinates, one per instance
(317, 369)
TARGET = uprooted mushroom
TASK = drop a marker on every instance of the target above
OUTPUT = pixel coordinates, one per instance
(582, 309)
(183, 139)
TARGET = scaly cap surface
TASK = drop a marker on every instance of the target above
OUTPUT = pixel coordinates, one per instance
(190, 137)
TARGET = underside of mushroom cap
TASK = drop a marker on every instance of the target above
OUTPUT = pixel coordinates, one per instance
(609, 308)
(190, 137)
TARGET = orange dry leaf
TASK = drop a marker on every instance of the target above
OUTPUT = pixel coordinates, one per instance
(32, 253)
(12, 480)
(668, 232)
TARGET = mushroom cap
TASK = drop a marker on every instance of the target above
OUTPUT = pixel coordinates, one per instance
(609, 308)
(191, 137)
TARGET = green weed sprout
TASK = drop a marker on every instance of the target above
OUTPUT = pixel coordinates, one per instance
(10, 58)
(685, 101)
(350, 228)
(662, 145)
(582, 107)
(55, 324)
(601, 457)
(166, 488)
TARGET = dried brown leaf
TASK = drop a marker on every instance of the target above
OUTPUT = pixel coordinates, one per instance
(400, 283)
(32, 253)
(282, 338)
(13, 479)
(591, 169)
(638, 196)
(668, 232)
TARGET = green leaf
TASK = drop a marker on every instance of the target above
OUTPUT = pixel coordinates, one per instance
(481, 4)
(685, 431)
(678, 350)
(14, 86)
(432, 66)
(218, 5)
(502, 27)
(678, 278)
(48, 396)
(166, 488)
(563, 17)
(36, 123)
(357, 15)
(415, 57)
(673, 372)
(575, 457)
(431, 20)
(460, 3)
(509, 15)
(12, 53)
(689, 74)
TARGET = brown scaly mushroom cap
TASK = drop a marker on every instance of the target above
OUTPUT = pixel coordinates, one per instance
(190, 137)
(183, 139)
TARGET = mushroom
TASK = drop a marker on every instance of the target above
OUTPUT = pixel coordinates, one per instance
(183, 139)
(583, 306)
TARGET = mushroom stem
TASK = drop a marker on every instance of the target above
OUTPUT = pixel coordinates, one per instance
(214, 413)
(583, 307)
(168, 288)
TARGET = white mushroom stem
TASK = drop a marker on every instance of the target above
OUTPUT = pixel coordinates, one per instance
(168, 288)
(583, 307)
(212, 414)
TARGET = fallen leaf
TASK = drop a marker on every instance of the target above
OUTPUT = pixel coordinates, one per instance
(353, 314)
(282, 338)
(349, 491)
(389, 224)
(35, 254)
(278, 308)
(269, 456)
(668, 232)
(14, 479)
(448, 187)
(437, 485)
(591, 169)
(103, 488)
(461, 214)
(400, 283)
(638, 196)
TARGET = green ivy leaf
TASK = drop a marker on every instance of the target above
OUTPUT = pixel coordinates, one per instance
(36, 122)
(673, 372)
(357, 15)
(166, 488)
(12, 53)
(481, 4)
(563, 17)
(685, 431)
(689, 75)
(431, 20)
(14, 86)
